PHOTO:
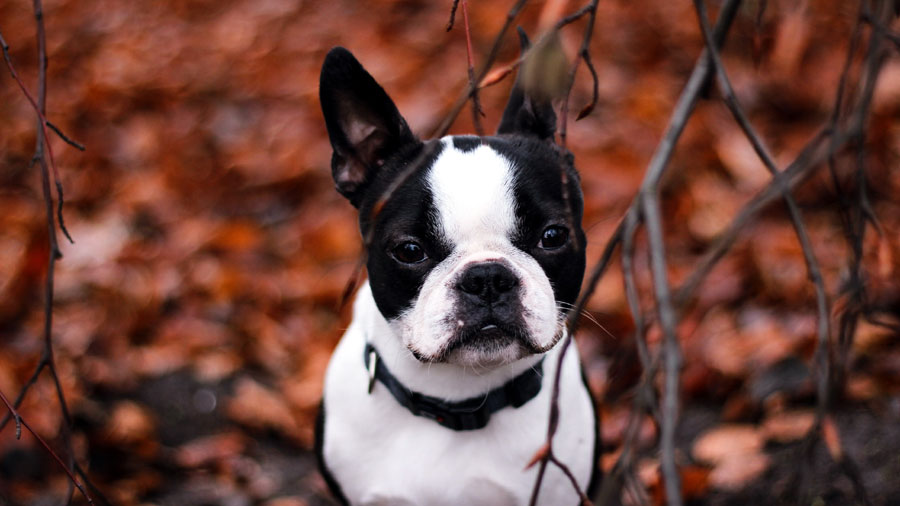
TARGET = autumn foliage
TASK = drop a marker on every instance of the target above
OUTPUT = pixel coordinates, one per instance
(196, 310)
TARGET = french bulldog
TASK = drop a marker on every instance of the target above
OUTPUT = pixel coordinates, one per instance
(439, 391)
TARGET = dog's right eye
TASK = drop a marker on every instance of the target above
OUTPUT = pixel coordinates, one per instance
(409, 253)
(554, 237)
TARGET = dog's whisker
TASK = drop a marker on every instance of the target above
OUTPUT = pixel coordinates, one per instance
(588, 316)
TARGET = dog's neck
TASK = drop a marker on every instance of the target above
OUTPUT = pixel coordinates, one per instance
(446, 381)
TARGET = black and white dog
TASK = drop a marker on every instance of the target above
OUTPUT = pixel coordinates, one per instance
(439, 391)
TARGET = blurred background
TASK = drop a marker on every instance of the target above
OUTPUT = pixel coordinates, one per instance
(197, 309)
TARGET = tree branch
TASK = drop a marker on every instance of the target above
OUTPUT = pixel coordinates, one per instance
(21, 422)
(46, 361)
(444, 126)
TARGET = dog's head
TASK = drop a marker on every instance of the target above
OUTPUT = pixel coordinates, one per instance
(475, 246)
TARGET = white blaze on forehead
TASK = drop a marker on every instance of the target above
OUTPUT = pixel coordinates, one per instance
(473, 194)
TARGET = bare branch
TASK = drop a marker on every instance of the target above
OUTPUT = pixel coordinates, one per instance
(595, 97)
(881, 27)
(452, 15)
(591, 10)
(21, 421)
(575, 16)
(671, 352)
(441, 129)
(477, 113)
(75, 144)
(47, 362)
(812, 264)
(40, 110)
(15, 75)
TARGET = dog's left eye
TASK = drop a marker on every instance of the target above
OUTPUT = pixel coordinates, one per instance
(554, 237)
(409, 253)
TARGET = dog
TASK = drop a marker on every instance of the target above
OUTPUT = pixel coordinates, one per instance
(439, 391)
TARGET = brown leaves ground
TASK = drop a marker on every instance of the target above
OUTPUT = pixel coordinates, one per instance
(197, 309)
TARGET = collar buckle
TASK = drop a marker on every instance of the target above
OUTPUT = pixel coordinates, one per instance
(371, 364)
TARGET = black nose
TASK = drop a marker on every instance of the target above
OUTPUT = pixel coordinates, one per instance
(488, 281)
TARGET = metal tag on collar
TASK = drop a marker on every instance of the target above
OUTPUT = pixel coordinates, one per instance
(370, 367)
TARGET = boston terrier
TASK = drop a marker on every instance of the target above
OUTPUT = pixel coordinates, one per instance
(439, 391)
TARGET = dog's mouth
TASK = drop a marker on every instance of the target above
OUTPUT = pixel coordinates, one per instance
(485, 344)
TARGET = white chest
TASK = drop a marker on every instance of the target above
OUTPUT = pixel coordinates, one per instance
(381, 454)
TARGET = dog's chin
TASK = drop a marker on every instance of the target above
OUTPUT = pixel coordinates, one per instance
(486, 348)
(486, 357)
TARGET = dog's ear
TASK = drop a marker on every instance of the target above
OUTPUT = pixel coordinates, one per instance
(529, 110)
(364, 125)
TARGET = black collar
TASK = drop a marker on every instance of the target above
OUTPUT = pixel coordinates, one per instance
(468, 414)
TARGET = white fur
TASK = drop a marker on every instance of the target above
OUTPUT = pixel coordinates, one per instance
(383, 455)
(473, 195)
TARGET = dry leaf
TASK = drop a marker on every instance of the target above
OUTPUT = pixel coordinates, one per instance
(788, 426)
(726, 442)
(256, 406)
(206, 450)
(130, 422)
(538, 456)
(832, 438)
(735, 473)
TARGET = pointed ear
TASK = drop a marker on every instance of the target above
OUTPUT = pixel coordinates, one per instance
(364, 125)
(529, 110)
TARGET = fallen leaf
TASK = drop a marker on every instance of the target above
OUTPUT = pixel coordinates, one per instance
(727, 441)
(206, 450)
(735, 473)
(788, 426)
(130, 422)
(256, 406)
(538, 455)
(832, 438)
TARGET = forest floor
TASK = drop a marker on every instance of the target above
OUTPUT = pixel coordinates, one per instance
(196, 311)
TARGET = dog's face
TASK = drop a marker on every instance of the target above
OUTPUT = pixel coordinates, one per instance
(475, 247)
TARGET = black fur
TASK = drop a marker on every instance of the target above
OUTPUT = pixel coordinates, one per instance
(333, 485)
(540, 202)
(392, 213)
(363, 123)
(466, 143)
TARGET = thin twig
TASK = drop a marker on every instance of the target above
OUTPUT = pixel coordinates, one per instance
(75, 144)
(823, 341)
(802, 167)
(671, 351)
(15, 75)
(631, 290)
(813, 154)
(444, 126)
(591, 10)
(497, 75)
(881, 27)
(812, 264)
(28, 384)
(19, 420)
(859, 211)
(575, 16)
(470, 68)
(568, 472)
(43, 141)
(646, 199)
(595, 94)
(553, 424)
(452, 15)
(42, 144)
(43, 122)
(644, 397)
